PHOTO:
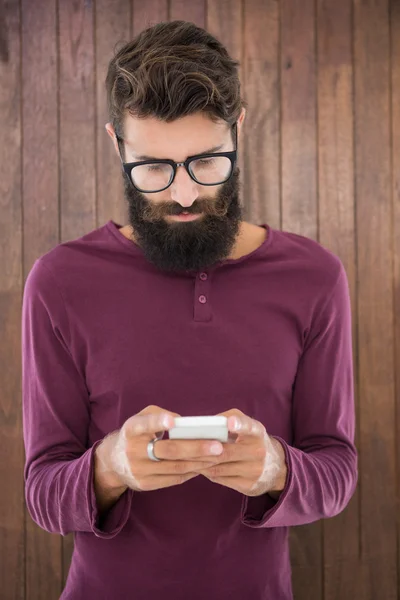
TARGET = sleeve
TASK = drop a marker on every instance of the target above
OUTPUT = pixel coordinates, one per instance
(322, 463)
(59, 465)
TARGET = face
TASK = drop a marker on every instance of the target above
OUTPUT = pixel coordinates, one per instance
(187, 226)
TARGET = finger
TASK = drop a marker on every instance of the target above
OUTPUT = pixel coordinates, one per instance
(231, 412)
(238, 422)
(163, 481)
(177, 467)
(246, 470)
(247, 450)
(187, 449)
(153, 408)
(240, 484)
(245, 425)
(148, 424)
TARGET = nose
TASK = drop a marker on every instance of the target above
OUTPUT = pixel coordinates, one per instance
(184, 189)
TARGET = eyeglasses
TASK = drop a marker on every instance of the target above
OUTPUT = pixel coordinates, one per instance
(151, 176)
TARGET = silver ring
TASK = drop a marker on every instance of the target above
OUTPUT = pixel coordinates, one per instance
(150, 449)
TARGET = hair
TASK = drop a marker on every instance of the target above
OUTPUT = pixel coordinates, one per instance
(172, 70)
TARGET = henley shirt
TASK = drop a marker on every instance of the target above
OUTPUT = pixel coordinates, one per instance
(105, 333)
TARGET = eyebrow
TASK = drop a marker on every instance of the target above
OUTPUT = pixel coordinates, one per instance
(210, 151)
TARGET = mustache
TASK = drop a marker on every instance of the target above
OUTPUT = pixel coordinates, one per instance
(206, 206)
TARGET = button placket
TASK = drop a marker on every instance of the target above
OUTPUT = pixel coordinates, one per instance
(202, 309)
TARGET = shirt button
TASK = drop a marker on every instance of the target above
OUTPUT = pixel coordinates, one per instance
(203, 276)
(202, 299)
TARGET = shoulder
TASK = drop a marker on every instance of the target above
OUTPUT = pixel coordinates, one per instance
(314, 263)
(69, 260)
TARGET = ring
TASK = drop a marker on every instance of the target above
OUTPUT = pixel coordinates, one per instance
(150, 449)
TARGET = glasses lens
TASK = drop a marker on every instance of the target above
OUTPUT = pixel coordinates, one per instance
(211, 169)
(151, 177)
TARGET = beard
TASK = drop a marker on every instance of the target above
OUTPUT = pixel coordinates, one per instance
(192, 245)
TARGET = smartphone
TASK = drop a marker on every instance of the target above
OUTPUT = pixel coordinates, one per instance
(200, 428)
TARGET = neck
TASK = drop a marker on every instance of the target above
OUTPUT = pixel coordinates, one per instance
(250, 237)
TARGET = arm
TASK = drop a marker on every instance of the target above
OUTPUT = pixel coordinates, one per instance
(321, 465)
(60, 468)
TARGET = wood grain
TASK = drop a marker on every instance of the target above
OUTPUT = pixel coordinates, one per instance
(261, 146)
(336, 203)
(225, 22)
(12, 571)
(194, 11)
(298, 106)
(375, 299)
(299, 212)
(41, 223)
(395, 185)
(113, 29)
(146, 14)
(77, 136)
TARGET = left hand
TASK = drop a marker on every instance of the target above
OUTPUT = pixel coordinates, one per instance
(254, 464)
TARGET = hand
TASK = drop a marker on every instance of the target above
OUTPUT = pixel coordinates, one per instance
(122, 456)
(254, 464)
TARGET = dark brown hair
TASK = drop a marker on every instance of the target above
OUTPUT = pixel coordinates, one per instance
(172, 70)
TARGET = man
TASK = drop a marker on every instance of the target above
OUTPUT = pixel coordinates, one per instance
(186, 310)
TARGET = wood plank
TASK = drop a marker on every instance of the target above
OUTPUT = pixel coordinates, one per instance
(146, 14)
(343, 569)
(224, 21)
(395, 183)
(77, 136)
(194, 11)
(299, 213)
(12, 513)
(298, 105)
(375, 299)
(261, 176)
(40, 171)
(113, 28)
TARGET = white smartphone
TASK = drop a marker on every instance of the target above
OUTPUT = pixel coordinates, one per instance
(200, 428)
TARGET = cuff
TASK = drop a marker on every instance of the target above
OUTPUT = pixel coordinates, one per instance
(110, 524)
(257, 510)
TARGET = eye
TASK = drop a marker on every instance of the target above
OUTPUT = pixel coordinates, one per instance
(156, 167)
(205, 161)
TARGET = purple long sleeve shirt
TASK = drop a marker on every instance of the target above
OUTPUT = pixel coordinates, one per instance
(105, 334)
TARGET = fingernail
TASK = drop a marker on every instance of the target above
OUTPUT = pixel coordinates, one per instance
(216, 449)
(236, 425)
(166, 422)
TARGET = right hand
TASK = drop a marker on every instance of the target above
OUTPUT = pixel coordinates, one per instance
(123, 454)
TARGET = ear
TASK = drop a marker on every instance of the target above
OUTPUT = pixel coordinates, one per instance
(240, 121)
(111, 132)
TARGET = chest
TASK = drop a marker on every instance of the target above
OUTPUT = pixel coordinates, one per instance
(142, 348)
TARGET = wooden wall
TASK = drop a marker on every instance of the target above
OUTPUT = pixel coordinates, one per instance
(320, 157)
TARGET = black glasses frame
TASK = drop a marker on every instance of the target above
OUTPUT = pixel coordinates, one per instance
(127, 167)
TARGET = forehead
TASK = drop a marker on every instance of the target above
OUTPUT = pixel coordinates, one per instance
(190, 135)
